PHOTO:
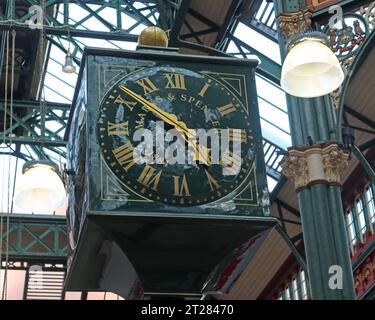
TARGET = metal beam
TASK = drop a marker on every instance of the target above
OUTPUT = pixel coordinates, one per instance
(360, 117)
(27, 125)
(288, 207)
(76, 28)
(35, 237)
(268, 68)
(118, 36)
(367, 145)
(293, 248)
(363, 161)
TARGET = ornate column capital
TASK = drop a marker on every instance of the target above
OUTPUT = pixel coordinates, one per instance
(320, 163)
(292, 23)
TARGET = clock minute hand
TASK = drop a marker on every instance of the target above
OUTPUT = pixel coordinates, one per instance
(167, 117)
(201, 152)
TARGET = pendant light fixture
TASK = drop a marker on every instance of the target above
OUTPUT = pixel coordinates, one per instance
(40, 188)
(68, 66)
(310, 68)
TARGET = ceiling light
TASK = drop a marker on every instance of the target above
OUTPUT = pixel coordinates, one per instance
(40, 188)
(68, 66)
(310, 69)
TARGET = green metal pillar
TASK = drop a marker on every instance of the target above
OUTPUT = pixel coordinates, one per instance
(312, 122)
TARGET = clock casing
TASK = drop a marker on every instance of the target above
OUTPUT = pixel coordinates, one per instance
(191, 208)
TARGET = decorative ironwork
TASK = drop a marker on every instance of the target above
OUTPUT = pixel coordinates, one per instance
(272, 156)
(27, 126)
(34, 237)
(347, 40)
(261, 17)
(60, 19)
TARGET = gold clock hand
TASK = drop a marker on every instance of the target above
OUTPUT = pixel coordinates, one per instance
(201, 152)
(167, 117)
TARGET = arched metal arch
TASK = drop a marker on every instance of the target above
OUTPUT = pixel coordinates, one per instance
(363, 52)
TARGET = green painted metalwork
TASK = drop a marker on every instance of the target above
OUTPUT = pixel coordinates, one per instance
(59, 24)
(35, 237)
(292, 6)
(268, 68)
(55, 27)
(323, 224)
(362, 54)
(301, 260)
(27, 127)
(363, 161)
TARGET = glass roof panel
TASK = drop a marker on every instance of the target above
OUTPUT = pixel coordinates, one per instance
(257, 41)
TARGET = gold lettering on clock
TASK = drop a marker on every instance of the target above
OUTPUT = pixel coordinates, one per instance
(124, 156)
(203, 90)
(149, 177)
(213, 183)
(175, 81)
(228, 108)
(140, 123)
(181, 188)
(237, 135)
(118, 128)
(122, 101)
(147, 85)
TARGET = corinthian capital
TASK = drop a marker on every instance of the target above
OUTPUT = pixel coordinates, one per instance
(292, 23)
(315, 164)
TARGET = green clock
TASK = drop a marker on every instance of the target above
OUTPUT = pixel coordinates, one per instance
(163, 98)
(166, 224)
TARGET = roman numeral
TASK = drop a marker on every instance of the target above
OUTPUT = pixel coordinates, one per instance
(228, 108)
(231, 162)
(118, 128)
(149, 177)
(124, 156)
(213, 183)
(237, 135)
(181, 188)
(175, 81)
(203, 90)
(147, 85)
(122, 101)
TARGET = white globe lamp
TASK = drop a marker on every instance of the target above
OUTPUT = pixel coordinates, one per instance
(40, 189)
(310, 68)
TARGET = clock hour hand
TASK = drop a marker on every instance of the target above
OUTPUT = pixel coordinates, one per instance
(201, 152)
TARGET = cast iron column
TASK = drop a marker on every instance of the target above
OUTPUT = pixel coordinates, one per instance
(314, 164)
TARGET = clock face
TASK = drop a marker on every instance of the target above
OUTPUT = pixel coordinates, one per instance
(179, 99)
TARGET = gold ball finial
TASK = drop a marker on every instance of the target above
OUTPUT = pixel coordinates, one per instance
(153, 36)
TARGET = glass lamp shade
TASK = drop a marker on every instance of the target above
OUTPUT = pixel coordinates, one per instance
(68, 66)
(40, 188)
(311, 69)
